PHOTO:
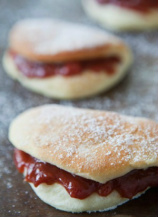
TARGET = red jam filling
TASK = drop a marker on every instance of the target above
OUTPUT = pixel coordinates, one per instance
(138, 5)
(42, 70)
(41, 172)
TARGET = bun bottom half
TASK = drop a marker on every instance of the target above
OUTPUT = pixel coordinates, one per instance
(55, 195)
(84, 85)
(117, 18)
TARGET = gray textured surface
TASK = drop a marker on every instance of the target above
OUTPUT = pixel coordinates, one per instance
(136, 95)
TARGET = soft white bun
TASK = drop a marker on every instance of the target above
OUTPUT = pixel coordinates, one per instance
(83, 85)
(55, 195)
(117, 18)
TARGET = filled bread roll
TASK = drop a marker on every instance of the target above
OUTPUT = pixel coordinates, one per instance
(85, 160)
(123, 14)
(64, 60)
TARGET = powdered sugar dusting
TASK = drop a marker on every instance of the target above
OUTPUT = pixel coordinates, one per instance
(90, 139)
(58, 36)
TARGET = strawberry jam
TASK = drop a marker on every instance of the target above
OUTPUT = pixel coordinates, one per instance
(42, 70)
(38, 172)
(138, 5)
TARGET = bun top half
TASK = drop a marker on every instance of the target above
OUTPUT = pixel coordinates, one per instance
(50, 40)
(97, 145)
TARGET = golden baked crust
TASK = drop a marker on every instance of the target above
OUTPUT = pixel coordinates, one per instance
(49, 40)
(97, 145)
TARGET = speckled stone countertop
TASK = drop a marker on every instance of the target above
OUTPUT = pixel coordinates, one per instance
(136, 95)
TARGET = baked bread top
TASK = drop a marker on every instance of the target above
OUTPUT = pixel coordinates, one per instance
(97, 145)
(50, 40)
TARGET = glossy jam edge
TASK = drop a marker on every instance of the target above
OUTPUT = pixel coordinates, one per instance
(139, 7)
(79, 187)
(32, 69)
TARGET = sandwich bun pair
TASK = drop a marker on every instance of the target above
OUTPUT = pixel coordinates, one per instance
(122, 14)
(64, 60)
(80, 160)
